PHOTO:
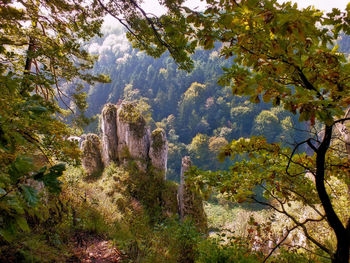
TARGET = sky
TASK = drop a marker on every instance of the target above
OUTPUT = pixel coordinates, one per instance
(117, 43)
(153, 6)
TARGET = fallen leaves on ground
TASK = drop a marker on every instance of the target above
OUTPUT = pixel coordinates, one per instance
(91, 248)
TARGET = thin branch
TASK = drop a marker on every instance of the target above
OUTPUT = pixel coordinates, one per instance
(279, 243)
(307, 83)
(58, 89)
(294, 150)
(122, 22)
(283, 211)
(312, 146)
(343, 119)
(151, 23)
(308, 250)
(306, 201)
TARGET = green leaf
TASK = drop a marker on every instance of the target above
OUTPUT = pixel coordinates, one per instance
(22, 223)
(50, 179)
(38, 109)
(7, 234)
(335, 48)
(14, 205)
(22, 166)
(30, 195)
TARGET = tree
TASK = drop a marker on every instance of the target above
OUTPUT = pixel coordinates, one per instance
(267, 123)
(281, 55)
(40, 50)
(199, 150)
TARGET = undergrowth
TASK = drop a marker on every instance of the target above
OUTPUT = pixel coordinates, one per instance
(137, 211)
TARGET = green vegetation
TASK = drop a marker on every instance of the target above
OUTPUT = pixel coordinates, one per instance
(282, 138)
(283, 56)
(157, 138)
(183, 104)
(129, 113)
(39, 51)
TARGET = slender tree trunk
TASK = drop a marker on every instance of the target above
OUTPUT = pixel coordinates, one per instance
(28, 65)
(29, 59)
(342, 233)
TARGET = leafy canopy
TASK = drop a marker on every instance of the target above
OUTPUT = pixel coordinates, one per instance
(280, 54)
(284, 56)
(41, 50)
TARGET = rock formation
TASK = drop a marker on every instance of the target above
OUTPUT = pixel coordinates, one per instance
(158, 152)
(169, 200)
(133, 134)
(185, 166)
(109, 134)
(92, 159)
(190, 202)
(126, 137)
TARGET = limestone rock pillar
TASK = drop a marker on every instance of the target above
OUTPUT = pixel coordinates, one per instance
(109, 134)
(158, 152)
(190, 202)
(92, 158)
(133, 135)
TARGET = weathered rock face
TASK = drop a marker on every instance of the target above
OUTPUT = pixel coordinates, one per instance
(185, 166)
(92, 159)
(169, 200)
(190, 202)
(109, 134)
(133, 134)
(158, 152)
(125, 136)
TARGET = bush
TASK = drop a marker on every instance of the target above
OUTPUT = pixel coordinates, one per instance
(168, 242)
(225, 249)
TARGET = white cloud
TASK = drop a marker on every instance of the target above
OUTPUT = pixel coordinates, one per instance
(123, 59)
(94, 48)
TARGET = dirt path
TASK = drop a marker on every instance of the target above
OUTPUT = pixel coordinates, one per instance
(93, 249)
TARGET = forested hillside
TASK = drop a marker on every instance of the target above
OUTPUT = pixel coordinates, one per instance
(198, 115)
(207, 135)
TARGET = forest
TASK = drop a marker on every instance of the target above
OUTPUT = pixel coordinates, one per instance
(214, 135)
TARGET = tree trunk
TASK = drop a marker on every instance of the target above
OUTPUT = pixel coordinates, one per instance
(28, 65)
(29, 58)
(342, 253)
(342, 233)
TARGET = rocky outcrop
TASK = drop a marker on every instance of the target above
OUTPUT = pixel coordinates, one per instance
(158, 152)
(92, 159)
(133, 134)
(190, 202)
(169, 200)
(125, 136)
(185, 166)
(109, 134)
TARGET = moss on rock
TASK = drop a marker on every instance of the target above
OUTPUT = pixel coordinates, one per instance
(131, 115)
(158, 152)
(169, 199)
(91, 155)
(157, 138)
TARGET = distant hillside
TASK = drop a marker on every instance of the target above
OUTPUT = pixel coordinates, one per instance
(198, 115)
